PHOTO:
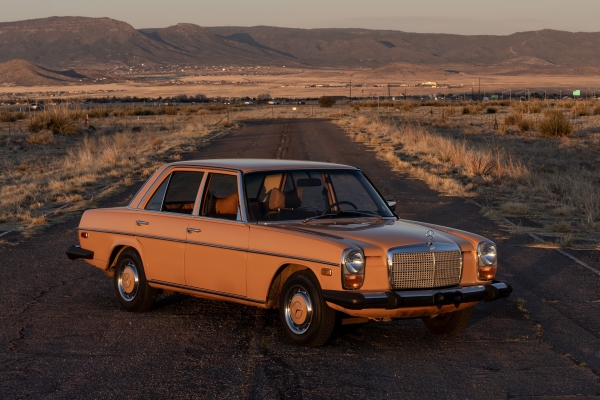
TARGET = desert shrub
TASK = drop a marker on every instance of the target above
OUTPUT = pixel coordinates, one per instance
(555, 124)
(42, 137)
(513, 119)
(468, 110)
(409, 105)
(326, 101)
(597, 110)
(136, 129)
(11, 117)
(57, 121)
(142, 111)
(526, 124)
(450, 110)
(504, 103)
(581, 108)
(492, 110)
(98, 113)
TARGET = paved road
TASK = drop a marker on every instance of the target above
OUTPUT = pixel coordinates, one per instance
(63, 335)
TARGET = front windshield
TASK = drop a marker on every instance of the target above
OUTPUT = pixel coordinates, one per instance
(298, 195)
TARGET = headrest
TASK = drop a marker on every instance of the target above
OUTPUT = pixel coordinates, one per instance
(279, 200)
(228, 205)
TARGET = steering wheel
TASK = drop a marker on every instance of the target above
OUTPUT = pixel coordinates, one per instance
(339, 203)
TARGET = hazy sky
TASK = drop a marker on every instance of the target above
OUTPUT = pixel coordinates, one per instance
(439, 16)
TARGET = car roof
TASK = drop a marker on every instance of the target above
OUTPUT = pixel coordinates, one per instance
(253, 164)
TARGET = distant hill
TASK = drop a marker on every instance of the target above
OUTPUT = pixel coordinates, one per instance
(78, 42)
(24, 73)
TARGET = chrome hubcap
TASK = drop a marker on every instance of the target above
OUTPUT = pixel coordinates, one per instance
(298, 310)
(128, 281)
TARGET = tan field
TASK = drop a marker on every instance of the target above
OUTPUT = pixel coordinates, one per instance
(312, 83)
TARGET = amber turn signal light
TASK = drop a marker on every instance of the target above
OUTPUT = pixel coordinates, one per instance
(326, 271)
(353, 281)
(84, 235)
(486, 273)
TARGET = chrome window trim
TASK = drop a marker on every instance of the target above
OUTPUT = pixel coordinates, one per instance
(213, 245)
(200, 195)
(422, 248)
(195, 289)
(242, 198)
(153, 187)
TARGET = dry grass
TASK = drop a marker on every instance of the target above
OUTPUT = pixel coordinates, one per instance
(581, 109)
(555, 124)
(35, 180)
(522, 174)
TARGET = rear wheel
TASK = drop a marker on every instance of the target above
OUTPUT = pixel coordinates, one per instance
(132, 289)
(305, 317)
(450, 323)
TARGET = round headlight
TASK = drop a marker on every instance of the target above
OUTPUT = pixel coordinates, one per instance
(355, 262)
(488, 254)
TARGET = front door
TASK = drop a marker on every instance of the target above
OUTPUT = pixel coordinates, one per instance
(162, 226)
(217, 240)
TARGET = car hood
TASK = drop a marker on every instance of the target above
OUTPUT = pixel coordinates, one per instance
(383, 234)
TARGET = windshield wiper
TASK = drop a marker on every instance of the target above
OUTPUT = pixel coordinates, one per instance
(342, 214)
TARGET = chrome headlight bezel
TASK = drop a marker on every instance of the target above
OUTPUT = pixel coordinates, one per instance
(354, 261)
(487, 254)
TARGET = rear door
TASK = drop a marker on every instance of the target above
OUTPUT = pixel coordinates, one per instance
(162, 225)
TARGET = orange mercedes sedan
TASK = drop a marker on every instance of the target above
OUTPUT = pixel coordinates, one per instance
(314, 240)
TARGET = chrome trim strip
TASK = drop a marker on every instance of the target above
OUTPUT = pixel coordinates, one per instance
(293, 257)
(215, 245)
(218, 246)
(194, 289)
(242, 198)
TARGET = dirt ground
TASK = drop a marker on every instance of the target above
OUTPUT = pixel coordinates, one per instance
(304, 83)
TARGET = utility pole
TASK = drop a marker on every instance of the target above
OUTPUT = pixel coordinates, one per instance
(479, 95)
(389, 94)
(350, 89)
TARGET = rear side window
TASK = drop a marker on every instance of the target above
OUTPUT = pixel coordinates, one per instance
(177, 194)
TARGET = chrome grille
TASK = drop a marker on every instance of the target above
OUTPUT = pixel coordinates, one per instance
(425, 270)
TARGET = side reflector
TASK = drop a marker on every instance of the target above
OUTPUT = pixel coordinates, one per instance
(326, 271)
(84, 235)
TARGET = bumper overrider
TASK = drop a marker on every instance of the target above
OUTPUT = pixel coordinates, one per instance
(391, 300)
(74, 252)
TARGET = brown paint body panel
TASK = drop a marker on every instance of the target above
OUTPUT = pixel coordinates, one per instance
(238, 261)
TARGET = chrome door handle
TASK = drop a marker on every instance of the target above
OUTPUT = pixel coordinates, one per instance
(140, 222)
(193, 230)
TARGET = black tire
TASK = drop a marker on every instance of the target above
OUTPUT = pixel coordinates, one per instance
(451, 323)
(313, 322)
(132, 289)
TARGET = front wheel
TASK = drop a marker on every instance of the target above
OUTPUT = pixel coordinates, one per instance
(305, 317)
(450, 323)
(132, 289)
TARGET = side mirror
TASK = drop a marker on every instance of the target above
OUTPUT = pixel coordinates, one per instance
(391, 204)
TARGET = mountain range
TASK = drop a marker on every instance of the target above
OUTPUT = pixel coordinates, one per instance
(80, 42)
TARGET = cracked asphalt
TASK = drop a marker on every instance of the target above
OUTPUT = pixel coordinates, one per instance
(63, 335)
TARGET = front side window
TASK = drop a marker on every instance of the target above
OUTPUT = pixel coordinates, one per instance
(177, 193)
(221, 197)
(297, 195)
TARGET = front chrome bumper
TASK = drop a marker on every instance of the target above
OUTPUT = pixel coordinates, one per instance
(391, 300)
